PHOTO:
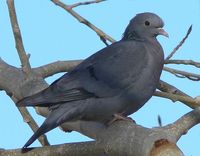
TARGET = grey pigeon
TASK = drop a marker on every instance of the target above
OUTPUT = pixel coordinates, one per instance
(119, 79)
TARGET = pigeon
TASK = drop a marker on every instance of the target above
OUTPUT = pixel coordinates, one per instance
(117, 80)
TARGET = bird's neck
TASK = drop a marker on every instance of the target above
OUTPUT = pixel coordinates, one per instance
(128, 36)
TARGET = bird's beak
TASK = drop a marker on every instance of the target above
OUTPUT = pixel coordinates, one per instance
(162, 32)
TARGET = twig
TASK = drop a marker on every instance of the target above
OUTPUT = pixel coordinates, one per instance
(182, 74)
(103, 36)
(180, 44)
(166, 87)
(182, 125)
(190, 102)
(26, 67)
(31, 122)
(185, 62)
(85, 3)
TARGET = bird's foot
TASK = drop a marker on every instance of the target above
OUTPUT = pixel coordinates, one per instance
(118, 116)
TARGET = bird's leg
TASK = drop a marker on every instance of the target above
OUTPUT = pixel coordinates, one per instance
(119, 116)
(66, 130)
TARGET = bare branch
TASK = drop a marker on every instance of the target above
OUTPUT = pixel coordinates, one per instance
(180, 44)
(182, 125)
(85, 3)
(26, 67)
(56, 67)
(73, 149)
(166, 87)
(113, 141)
(190, 102)
(185, 62)
(183, 74)
(103, 36)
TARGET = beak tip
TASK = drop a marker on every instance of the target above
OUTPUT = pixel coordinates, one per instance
(167, 36)
(163, 32)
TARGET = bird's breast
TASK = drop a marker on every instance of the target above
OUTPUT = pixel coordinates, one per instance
(142, 89)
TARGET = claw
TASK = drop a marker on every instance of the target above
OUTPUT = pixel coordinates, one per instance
(119, 116)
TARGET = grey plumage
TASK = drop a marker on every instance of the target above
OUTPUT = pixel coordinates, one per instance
(120, 78)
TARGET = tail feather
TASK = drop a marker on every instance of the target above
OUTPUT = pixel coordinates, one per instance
(49, 124)
(36, 135)
(42, 130)
(55, 118)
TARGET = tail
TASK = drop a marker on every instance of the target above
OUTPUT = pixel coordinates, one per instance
(58, 116)
(45, 127)
(49, 124)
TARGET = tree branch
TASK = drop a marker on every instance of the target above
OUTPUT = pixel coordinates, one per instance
(26, 67)
(185, 123)
(179, 45)
(10, 78)
(166, 87)
(56, 67)
(103, 36)
(185, 62)
(190, 102)
(85, 3)
(182, 74)
(114, 140)
(73, 149)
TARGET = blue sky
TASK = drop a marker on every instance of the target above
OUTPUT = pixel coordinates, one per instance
(51, 34)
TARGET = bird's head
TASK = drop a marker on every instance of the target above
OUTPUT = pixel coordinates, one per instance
(143, 26)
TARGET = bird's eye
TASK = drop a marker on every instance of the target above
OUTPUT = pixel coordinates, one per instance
(147, 23)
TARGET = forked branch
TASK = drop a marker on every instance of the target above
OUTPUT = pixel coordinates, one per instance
(26, 67)
(179, 45)
(103, 36)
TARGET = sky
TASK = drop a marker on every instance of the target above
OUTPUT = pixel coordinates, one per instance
(50, 34)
